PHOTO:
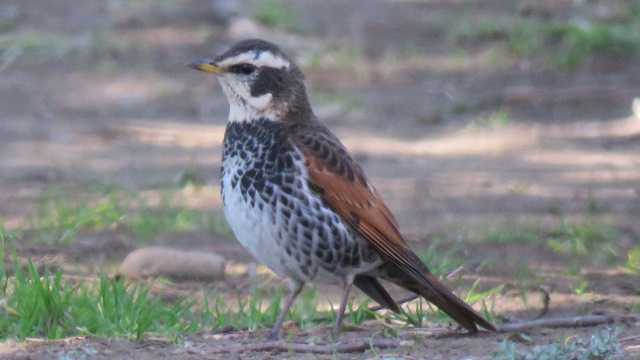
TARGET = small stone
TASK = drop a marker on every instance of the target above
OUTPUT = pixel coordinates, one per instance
(174, 264)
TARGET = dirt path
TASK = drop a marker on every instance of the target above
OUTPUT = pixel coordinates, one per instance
(431, 343)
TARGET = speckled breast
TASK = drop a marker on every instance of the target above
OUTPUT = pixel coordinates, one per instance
(272, 211)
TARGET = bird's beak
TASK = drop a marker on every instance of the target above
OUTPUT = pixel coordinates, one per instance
(206, 66)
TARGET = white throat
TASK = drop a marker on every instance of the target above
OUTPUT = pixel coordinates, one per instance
(243, 106)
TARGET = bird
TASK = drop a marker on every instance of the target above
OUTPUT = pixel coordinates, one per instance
(296, 199)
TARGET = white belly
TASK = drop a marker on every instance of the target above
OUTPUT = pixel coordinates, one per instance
(254, 229)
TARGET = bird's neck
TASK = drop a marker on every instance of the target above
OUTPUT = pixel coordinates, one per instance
(239, 112)
(296, 110)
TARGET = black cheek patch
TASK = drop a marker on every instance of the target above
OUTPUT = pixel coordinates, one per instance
(269, 81)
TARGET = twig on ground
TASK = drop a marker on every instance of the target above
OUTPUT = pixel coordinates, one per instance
(454, 273)
(546, 300)
(544, 296)
(629, 338)
(576, 321)
(283, 346)
(369, 344)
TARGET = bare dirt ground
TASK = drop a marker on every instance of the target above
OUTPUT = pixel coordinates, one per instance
(417, 345)
(107, 100)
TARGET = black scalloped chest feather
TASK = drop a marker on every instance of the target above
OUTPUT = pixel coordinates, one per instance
(267, 196)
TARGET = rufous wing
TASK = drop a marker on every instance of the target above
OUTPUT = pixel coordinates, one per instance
(342, 184)
(338, 179)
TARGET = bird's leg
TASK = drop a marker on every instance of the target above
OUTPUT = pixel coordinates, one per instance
(348, 282)
(295, 287)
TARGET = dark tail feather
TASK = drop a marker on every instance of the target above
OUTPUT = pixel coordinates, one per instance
(372, 287)
(438, 294)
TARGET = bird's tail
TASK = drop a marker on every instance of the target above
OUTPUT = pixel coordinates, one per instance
(434, 291)
(372, 287)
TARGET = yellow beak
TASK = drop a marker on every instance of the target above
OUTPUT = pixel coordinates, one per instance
(206, 66)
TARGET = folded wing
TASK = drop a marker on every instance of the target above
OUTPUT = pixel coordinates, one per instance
(343, 186)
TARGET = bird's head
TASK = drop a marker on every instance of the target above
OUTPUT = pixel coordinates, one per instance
(259, 81)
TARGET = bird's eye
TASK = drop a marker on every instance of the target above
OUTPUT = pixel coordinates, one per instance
(244, 69)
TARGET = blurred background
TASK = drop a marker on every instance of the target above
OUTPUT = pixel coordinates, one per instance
(504, 135)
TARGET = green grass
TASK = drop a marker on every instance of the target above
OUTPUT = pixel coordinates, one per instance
(578, 43)
(563, 43)
(253, 313)
(40, 46)
(580, 243)
(61, 215)
(148, 223)
(261, 309)
(513, 235)
(7, 237)
(633, 260)
(59, 218)
(37, 42)
(276, 14)
(9, 16)
(441, 260)
(584, 242)
(418, 314)
(423, 312)
(570, 45)
(99, 48)
(495, 120)
(602, 344)
(47, 306)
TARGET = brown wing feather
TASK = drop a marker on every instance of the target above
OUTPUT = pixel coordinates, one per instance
(345, 188)
(342, 184)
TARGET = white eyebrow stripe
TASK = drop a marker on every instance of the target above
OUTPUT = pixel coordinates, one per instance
(263, 58)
